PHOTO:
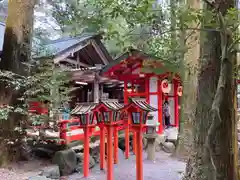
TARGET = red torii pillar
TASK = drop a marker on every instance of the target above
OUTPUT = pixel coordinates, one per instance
(109, 152)
(176, 104)
(86, 152)
(139, 153)
(102, 146)
(126, 124)
(115, 152)
(134, 137)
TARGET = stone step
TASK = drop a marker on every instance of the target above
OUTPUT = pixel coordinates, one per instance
(81, 146)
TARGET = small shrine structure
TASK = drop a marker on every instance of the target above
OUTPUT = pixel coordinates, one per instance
(108, 112)
(86, 118)
(134, 70)
(138, 111)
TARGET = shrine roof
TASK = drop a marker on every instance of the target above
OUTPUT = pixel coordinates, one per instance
(134, 64)
(142, 104)
(112, 105)
(56, 47)
(83, 108)
(137, 54)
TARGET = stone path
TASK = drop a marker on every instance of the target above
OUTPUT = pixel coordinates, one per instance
(165, 168)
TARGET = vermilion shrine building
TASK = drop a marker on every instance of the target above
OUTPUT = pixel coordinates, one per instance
(138, 82)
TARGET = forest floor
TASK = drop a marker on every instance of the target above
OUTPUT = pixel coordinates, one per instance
(165, 167)
(23, 170)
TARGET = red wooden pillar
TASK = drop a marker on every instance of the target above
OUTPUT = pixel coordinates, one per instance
(125, 95)
(127, 139)
(160, 103)
(102, 146)
(86, 152)
(127, 123)
(139, 158)
(147, 89)
(109, 153)
(134, 133)
(134, 141)
(176, 104)
(115, 153)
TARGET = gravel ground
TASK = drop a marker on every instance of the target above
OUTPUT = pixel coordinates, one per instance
(165, 168)
(22, 170)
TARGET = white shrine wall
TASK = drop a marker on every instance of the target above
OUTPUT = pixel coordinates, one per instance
(153, 99)
(171, 104)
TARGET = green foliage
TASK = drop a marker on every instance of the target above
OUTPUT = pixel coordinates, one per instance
(46, 83)
(145, 25)
(44, 79)
(122, 22)
(4, 111)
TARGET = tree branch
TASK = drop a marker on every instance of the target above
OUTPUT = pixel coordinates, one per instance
(218, 99)
(231, 47)
(179, 29)
(192, 32)
(211, 3)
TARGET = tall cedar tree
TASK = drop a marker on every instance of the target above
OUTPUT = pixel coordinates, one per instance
(214, 155)
(189, 76)
(16, 49)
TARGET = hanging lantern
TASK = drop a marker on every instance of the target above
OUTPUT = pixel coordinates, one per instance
(99, 117)
(86, 118)
(83, 119)
(116, 116)
(166, 88)
(179, 90)
(106, 116)
(91, 118)
(136, 117)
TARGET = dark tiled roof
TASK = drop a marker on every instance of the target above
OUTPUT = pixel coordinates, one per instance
(83, 109)
(142, 104)
(113, 105)
(52, 48)
(57, 46)
(130, 52)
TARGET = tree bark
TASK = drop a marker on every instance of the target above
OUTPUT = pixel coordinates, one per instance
(16, 49)
(188, 104)
(214, 149)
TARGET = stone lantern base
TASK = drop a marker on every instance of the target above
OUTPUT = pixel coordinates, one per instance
(151, 146)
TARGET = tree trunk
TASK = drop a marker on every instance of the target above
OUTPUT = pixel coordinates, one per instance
(16, 49)
(188, 106)
(214, 153)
